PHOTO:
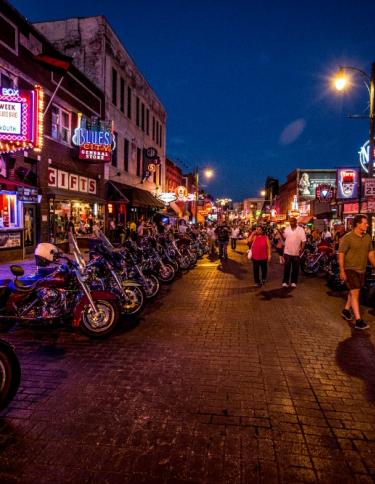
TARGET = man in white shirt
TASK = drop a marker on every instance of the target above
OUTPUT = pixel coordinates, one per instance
(235, 232)
(295, 239)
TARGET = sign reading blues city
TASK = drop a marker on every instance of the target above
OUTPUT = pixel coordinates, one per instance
(347, 183)
(95, 139)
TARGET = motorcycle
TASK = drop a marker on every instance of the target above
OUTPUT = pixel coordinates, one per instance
(164, 271)
(10, 373)
(62, 295)
(320, 260)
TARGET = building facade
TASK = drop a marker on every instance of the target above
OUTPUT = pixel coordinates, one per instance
(138, 115)
(44, 187)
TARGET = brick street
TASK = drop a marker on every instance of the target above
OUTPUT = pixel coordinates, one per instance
(219, 382)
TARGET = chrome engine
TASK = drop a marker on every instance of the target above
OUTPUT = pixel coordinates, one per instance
(53, 301)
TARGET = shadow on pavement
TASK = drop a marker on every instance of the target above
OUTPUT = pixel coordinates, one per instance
(231, 266)
(279, 293)
(356, 357)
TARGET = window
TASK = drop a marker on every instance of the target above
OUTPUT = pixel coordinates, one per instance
(114, 86)
(154, 176)
(147, 121)
(122, 95)
(8, 34)
(129, 106)
(157, 132)
(60, 129)
(6, 81)
(137, 112)
(114, 153)
(153, 128)
(161, 136)
(126, 154)
(139, 159)
(8, 211)
(160, 175)
(143, 117)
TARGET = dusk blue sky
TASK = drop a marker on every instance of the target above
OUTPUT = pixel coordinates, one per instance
(245, 83)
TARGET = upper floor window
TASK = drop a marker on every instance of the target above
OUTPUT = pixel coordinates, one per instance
(122, 95)
(114, 154)
(143, 117)
(139, 161)
(6, 81)
(129, 104)
(8, 34)
(161, 136)
(114, 86)
(137, 112)
(147, 121)
(60, 129)
(126, 154)
(153, 128)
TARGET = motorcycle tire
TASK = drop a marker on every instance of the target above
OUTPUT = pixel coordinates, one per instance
(135, 301)
(166, 273)
(193, 260)
(309, 270)
(104, 324)
(184, 262)
(153, 286)
(10, 374)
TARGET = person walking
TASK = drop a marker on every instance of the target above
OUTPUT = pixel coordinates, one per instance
(235, 232)
(354, 251)
(295, 239)
(211, 238)
(279, 245)
(260, 255)
(222, 232)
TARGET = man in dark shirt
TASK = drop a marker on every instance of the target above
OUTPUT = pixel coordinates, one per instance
(222, 232)
(354, 252)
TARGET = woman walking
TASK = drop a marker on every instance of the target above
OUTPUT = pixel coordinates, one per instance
(279, 244)
(260, 255)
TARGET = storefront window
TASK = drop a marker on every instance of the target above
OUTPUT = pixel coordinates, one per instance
(66, 215)
(8, 211)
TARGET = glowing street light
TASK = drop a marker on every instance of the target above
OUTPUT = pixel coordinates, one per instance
(341, 81)
(263, 193)
(208, 173)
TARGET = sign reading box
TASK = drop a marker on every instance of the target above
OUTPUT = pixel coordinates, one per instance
(71, 181)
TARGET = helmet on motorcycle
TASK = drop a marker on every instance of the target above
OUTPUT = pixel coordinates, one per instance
(45, 253)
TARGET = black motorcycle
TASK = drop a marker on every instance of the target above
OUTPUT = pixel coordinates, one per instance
(10, 373)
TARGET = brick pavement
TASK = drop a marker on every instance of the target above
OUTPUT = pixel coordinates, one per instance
(218, 383)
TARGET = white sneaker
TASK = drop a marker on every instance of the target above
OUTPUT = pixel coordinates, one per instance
(285, 284)
(293, 284)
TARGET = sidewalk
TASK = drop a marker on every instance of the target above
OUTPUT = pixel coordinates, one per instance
(219, 382)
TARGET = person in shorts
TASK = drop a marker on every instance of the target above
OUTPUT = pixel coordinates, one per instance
(354, 251)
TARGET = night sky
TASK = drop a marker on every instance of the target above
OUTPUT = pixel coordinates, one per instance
(246, 84)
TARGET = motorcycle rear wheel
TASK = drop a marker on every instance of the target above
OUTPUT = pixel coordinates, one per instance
(10, 375)
(101, 325)
(153, 286)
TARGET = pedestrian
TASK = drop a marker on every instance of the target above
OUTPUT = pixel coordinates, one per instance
(260, 255)
(222, 232)
(211, 238)
(295, 239)
(354, 251)
(140, 228)
(235, 232)
(279, 245)
(326, 235)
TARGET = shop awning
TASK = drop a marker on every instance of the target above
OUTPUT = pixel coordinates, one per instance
(115, 192)
(304, 219)
(135, 196)
(11, 185)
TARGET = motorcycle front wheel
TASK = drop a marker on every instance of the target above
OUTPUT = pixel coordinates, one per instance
(10, 374)
(309, 268)
(101, 324)
(151, 286)
(184, 262)
(134, 301)
(166, 273)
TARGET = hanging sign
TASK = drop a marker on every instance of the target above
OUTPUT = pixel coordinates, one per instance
(369, 187)
(167, 197)
(364, 155)
(324, 192)
(21, 119)
(181, 192)
(347, 183)
(95, 139)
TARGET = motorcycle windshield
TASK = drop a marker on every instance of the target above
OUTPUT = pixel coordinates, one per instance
(101, 236)
(77, 254)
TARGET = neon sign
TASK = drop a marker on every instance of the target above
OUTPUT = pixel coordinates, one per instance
(364, 155)
(95, 139)
(167, 197)
(21, 119)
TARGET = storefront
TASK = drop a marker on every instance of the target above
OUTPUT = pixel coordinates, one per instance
(73, 205)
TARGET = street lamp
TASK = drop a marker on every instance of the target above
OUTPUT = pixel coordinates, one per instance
(263, 193)
(208, 173)
(341, 81)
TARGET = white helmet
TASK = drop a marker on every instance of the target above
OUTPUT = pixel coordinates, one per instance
(46, 251)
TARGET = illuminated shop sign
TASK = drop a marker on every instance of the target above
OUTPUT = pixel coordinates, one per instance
(181, 192)
(71, 181)
(309, 180)
(324, 192)
(364, 155)
(21, 119)
(167, 197)
(95, 139)
(347, 183)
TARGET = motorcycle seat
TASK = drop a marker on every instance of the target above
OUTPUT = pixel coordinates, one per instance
(24, 286)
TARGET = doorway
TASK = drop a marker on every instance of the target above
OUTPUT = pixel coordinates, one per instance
(29, 225)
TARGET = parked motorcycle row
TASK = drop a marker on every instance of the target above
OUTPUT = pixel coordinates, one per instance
(112, 287)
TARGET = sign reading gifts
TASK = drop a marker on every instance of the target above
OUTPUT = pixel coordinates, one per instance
(71, 181)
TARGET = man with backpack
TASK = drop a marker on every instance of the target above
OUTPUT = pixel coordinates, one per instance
(222, 232)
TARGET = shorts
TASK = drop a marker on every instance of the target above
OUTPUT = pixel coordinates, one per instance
(355, 280)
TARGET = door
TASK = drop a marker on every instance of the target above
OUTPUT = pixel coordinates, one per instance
(29, 225)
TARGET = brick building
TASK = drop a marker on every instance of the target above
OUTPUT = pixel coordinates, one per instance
(45, 189)
(139, 117)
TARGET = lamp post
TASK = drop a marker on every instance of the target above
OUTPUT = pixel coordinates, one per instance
(208, 172)
(341, 82)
